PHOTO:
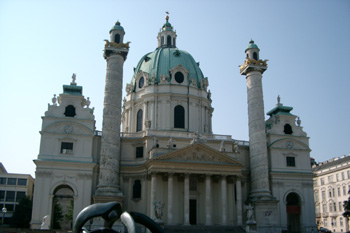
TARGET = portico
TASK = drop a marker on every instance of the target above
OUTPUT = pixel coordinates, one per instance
(203, 186)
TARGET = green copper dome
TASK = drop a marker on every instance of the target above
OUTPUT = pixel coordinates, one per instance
(162, 60)
(252, 45)
(116, 27)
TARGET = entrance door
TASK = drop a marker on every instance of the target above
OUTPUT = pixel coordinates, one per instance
(193, 211)
(293, 213)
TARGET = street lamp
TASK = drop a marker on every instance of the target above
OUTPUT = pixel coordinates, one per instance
(4, 210)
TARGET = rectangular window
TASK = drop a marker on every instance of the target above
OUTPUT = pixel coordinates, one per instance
(325, 222)
(335, 207)
(330, 207)
(337, 176)
(341, 221)
(322, 181)
(139, 152)
(290, 161)
(10, 196)
(66, 147)
(330, 193)
(340, 207)
(348, 172)
(334, 222)
(10, 207)
(323, 196)
(330, 179)
(324, 208)
(11, 181)
(344, 190)
(338, 191)
(316, 197)
(342, 176)
(136, 190)
(22, 182)
(20, 195)
(2, 196)
(2, 180)
(315, 183)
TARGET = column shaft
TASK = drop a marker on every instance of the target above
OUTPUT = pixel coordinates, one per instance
(153, 194)
(187, 199)
(223, 200)
(208, 203)
(110, 142)
(170, 198)
(239, 201)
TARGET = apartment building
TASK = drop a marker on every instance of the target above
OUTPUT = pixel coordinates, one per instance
(331, 187)
(13, 187)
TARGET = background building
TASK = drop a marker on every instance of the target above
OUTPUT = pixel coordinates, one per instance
(164, 160)
(12, 188)
(331, 187)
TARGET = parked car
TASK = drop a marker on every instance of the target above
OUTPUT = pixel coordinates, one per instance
(322, 229)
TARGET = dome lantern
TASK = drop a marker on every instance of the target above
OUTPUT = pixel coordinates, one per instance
(166, 36)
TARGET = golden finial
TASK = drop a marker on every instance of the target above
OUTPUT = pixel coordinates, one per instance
(167, 15)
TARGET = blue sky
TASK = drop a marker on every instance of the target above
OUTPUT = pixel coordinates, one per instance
(306, 42)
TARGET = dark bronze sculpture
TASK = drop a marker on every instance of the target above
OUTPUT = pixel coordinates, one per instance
(111, 212)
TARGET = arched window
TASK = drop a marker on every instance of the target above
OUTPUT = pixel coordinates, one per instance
(139, 121)
(174, 42)
(136, 189)
(117, 38)
(162, 41)
(179, 117)
(70, 111)
(168, 41)
(288, 129)
(255, 56)
(179, 77)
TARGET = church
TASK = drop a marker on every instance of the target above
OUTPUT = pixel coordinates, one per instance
(157, 153)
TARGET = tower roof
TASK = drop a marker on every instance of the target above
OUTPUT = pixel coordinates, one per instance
(117, 27)
(167, 26)
(252, 45)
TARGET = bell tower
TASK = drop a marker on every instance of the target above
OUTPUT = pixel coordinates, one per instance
(115, 53)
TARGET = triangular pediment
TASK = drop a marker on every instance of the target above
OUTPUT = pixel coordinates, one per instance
(200, 154)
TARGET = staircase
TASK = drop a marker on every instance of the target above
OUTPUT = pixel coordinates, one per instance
(203, 229)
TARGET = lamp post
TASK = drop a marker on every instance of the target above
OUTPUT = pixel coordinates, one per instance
(4, 210)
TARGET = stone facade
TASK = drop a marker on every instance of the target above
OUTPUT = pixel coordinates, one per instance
(167, 163)
(331, 187)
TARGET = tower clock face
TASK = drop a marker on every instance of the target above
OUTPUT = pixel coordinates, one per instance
(141, 82)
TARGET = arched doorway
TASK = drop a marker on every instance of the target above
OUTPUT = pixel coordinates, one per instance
(62, 208)
(293, 208)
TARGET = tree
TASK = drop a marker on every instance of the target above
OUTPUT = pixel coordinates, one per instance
(23, 213)
(57, 214)
(69, 215)
(346, 206)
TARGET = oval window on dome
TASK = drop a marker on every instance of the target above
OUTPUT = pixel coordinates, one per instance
(179, 77)
(141, 82)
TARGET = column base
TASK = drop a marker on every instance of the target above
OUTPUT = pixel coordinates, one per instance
(105, 199)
